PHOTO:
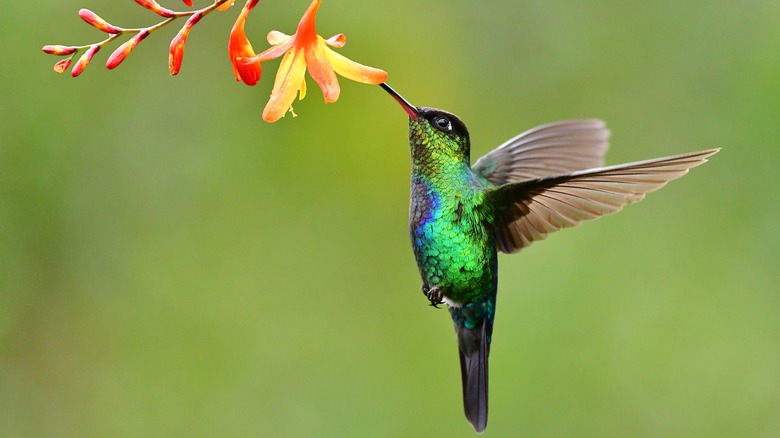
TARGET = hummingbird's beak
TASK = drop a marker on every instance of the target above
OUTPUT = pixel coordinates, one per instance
(408, 107)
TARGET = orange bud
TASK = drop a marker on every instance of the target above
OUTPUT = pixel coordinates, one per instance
(177, 44)
(177, 50)
(225, 6)
(122, 51)
(62, 65)
(156, 8)
(101, 24)
(81, 64)
(188, 2)
(59, 50)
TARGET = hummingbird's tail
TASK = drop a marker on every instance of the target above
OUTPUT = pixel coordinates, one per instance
(473, 345)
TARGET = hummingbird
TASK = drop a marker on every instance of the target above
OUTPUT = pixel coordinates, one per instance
(461, 216)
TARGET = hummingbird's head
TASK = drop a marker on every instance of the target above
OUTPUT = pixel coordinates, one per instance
(434, 131)
(439, 131)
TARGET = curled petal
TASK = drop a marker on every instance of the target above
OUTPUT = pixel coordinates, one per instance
(122, 51)
(322, 73)
(275, 37)
(59, 50)
(101, 24)
(355, 71)
(156, 8)
(81, 64)
(288, 82)
(62, 65)
(338, 41)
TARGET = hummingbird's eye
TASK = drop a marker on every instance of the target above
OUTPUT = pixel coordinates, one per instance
(442, 123)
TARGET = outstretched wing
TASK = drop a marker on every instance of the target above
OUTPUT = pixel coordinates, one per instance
(530, 210)
(552, 149)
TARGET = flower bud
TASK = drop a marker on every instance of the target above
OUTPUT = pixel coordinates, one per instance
(225, 6)
(188, 2)
(101, 24)
(156, 8)
(62, 65)
(81, 64)
(177, 51)
(122, 51)
(59, 50)
(177, 44)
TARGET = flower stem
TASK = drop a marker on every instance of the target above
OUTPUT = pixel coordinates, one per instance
(153, 28)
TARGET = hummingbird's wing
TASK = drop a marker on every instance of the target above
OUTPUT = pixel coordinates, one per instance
(528, 211)
(552, 149)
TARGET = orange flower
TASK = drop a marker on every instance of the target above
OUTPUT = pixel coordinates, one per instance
(240, 47)
(305, 50)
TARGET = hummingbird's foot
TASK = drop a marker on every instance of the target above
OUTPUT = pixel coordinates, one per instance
(434, 295)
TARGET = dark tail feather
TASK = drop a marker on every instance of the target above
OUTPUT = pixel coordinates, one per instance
(473, 346)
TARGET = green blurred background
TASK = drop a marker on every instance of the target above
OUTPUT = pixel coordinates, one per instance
(170, 265)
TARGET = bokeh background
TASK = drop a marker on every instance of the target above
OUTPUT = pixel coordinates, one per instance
(170, 265)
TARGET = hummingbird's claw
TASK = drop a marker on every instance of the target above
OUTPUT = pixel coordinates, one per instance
(434, 295)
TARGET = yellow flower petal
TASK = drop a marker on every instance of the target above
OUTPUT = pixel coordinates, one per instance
(284, 68)
(353, 70)
(288, 82)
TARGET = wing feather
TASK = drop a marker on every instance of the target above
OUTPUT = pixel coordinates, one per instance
(551, 149)
(530, 210)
